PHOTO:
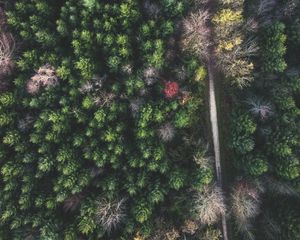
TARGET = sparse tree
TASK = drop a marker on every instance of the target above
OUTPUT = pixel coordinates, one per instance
(104, 99)
(265, 7)
(271, 228)
(289, 8)
(202, 158)
(135, 105)
(2, 19)
(72, 203)
(151, 8)
(245, 200)
(260, 108)
(211, 234)
(166, 132)
(173, 234)
(209, 205)
(280, 187)
(190, 227)
(248, 48)
(196, 33)
(150, 75)
(45, 77)
(110, 214)
(7, 47)
(25, 123)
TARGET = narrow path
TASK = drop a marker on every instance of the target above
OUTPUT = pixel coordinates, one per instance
(211, 63)
(215, 133)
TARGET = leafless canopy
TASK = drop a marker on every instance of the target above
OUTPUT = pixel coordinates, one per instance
(7, 47)
(45, 77)
(166, 132)
(260, 108)
(196, 33)
(209, 205)
(245, 206)
(72, 203)
(280, 187)
(265, 7)
(110, 213)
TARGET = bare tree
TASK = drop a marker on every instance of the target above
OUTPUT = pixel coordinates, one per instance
(190, 227)
(164, 230)
(280, 187)
(110, 213)
(239, 70)
(94, 85)
(172, 234)
(202, 157)
(150, 75)
(104, 99)
(166, 132)
(45, 77)
(209, 205)
(237, 4)
(260, 108)
(211, 234)
(251, 25)
(128, 69)
(265, 7)
(270, 228)
(248, 48)
(196, 33)
(2, 19)
(7, 47)
(289, 8)
(135, 105)
(25, 123)
(6, 51)
(72, 203)
(151, 8)
(245, 206)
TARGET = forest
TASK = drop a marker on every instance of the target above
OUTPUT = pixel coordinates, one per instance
(150, 120)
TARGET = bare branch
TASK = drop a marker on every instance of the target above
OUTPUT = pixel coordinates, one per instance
(196, 33)
(209, 205)
(7, 47)
(110, 213)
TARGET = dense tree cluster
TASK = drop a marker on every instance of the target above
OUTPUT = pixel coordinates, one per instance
(264, 133)
(104, 126)
(100, 129)
(269, 129)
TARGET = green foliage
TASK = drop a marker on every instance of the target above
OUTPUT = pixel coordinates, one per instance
(142, 212)
(273, 48)
(176, 180)
(86, 68)
(6, 99)
(242, 130)
(90, 3)
(96, 133)
(255, 165)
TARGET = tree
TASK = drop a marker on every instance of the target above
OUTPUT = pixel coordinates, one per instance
(233, 49)
(245, 200)
(208, 205)
(7, 46)
(110, 214)
(196, 33)
(273, 48)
